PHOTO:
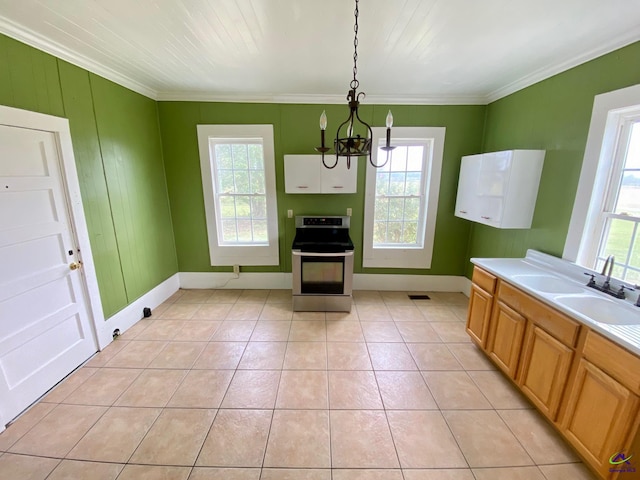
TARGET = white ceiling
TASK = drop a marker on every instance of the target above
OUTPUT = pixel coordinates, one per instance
(410, 51)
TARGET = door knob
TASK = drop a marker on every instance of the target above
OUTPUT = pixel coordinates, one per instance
(75, 265)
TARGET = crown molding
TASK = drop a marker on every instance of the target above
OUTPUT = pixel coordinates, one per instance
(180, 96)
(33, 39)
(621, 41)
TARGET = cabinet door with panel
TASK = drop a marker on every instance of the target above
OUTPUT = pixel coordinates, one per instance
(544, 369)
(506, 331)
(301, 174)
(339, 179)
(479, 314)
(599, 415)
(466, 200)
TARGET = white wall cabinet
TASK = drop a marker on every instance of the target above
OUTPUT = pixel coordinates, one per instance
(500, 188)
(306, 174)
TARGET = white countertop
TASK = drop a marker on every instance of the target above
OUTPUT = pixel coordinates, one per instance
(570, 276)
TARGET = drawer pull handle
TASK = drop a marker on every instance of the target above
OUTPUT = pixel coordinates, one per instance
(486, 218)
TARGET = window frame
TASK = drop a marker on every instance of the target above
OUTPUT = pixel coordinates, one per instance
(600, 175)
(248, 253)
(404, 256)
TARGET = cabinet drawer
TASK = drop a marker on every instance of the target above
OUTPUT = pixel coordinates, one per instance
(484, 280)
(621, 364)
(557, 324)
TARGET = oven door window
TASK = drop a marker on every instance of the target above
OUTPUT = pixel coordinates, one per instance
(322, 275)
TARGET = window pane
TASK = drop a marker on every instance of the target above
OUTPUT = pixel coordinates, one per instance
(223, 156)
(229, 230)
(413, 183)
(260, 231)
(394, 232)
(241, 179)
(399, 159)
(259, 207)
(617, 240)
(382, 183)
(245, 233)
(414, 159)
(633, 276)
(410, 232)
(396, 209)
(225, 181)
(412, 209)
(633, 153)
(396, 186)
(379, 232)
(381, 209)
(240, 157)
(256, 161)
(243, 207)
(227, 207)
(257, 181)
(629, 195)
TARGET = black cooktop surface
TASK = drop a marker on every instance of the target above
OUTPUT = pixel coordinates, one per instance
(322, 240)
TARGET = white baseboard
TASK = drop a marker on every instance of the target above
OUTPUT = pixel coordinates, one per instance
(267, 280)
(132, 313)
(361, 281)
(466, 283)
(411, 283)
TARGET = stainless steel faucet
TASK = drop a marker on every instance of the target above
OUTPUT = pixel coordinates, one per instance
(608, 264)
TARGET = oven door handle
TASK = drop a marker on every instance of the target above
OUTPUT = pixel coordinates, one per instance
(319, 254)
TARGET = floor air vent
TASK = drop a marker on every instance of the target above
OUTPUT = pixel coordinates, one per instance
(419, 297)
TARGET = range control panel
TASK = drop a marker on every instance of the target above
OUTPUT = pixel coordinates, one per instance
(322, 222)
(332, 221)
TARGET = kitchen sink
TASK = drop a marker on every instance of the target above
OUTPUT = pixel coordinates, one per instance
(547, 284)
(602, 310)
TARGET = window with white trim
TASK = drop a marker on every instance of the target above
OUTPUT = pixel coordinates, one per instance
(606, 211)
(238, 180)
(619, 218)
(401, 198)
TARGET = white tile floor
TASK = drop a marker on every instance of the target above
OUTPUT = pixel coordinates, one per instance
(233, 385)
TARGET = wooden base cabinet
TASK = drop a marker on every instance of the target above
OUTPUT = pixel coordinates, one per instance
(587, 385)
(480, 305)
(544, 370)
(505, 338)
(600, 413)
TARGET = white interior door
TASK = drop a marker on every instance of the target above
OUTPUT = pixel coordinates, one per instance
(45, 324)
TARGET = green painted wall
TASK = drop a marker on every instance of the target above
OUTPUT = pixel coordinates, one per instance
(296, 132)
(118, 154)
(552, 115)
(140, 235)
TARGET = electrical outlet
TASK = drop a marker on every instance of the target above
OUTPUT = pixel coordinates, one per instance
(236, 271)
(290, 213)
(348, 212)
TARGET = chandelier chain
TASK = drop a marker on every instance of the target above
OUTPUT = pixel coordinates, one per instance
(354, 82)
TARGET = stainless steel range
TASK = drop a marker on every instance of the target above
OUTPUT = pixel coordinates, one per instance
(322, 255)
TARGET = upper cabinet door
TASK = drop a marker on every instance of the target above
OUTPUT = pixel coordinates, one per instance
(500, 188)
(467, 186)
(339, 179)
(306, 174)
(301, 174)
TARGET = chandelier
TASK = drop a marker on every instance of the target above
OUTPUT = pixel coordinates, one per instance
(348, 143)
